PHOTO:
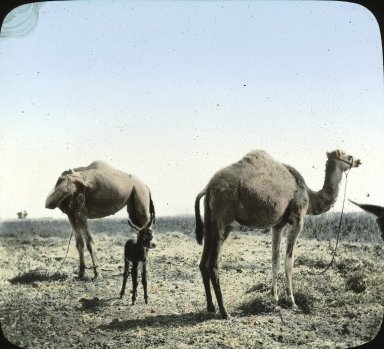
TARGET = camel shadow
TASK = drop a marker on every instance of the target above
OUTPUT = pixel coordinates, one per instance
(160, 321)
(33, 276)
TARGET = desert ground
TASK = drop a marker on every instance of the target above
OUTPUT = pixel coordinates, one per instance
(44, 305)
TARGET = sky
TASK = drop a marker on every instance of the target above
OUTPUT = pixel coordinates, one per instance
(173, 91)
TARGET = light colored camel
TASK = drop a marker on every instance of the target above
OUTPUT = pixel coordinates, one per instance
(258, 191)
(378, 211)
(96, 191)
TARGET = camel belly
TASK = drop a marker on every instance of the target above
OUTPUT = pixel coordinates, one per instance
(260, 216)
(264, 203)
(99, 207)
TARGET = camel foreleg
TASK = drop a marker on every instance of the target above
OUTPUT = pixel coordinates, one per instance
(91, 248)
(79, 244)
(289, 257)
(80, 249)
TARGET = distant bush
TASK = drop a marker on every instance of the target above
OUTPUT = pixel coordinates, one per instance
(359, 227)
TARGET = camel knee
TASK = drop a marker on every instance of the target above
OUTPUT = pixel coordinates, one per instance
(90, 245)
(80, 244)
(213, 271)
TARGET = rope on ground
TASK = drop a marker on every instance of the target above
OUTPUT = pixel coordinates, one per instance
(62, 263)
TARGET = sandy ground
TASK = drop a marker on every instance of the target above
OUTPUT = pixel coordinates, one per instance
(40, 309)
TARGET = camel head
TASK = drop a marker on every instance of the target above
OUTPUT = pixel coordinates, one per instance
(345, 160)
(378, 211)
(67, 184)
(144, 235)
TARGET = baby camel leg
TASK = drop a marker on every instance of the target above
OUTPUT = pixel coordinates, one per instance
(125, 276)
(144, 282)
(134, 281)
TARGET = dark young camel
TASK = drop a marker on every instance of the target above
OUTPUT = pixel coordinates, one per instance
(258, 191)
(378, 211)
(136, 253)
(96, 191)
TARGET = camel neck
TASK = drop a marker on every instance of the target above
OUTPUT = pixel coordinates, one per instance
(321, 201)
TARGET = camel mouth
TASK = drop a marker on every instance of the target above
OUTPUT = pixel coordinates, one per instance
(351, 162)
(54, 199)
(356, 163)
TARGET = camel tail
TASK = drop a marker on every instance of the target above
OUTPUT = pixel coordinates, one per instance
(378, 211)
(151, 208)
(199, 222)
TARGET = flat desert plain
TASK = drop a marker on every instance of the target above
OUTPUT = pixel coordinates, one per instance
(45, 306)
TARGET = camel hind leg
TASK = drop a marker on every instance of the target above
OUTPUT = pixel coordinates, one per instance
(204, 267)
(276, 239)
(216, 230)
(219, 236)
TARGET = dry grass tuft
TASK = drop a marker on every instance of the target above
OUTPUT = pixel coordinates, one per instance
(258, 305)
(36, 275)
(259, 287)
(356, 282)
(305, 302)
(93, 304)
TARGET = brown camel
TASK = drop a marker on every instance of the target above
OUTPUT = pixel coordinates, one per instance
(378, 211)
(259, 192)
(96, 191)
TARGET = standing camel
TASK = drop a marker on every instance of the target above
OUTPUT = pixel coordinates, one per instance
(97, 191)
(378, 211)
(258, 191)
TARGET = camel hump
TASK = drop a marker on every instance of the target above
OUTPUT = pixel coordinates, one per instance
(99, 164)
(258, 154)
(95, 165)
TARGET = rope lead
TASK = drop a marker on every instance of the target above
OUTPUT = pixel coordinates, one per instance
(339, 227)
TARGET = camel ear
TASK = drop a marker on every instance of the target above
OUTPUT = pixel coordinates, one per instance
(335, 154)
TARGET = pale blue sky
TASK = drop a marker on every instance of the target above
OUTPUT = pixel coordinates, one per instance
(174, 90)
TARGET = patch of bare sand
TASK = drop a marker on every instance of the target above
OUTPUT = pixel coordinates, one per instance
(65, 312)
